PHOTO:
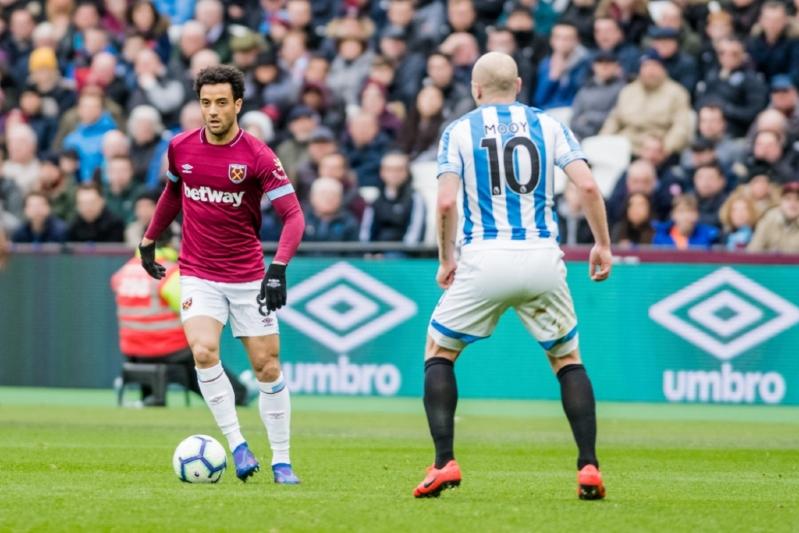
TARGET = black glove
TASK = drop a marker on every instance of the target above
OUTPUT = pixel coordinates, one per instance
(148, 261)
(273, 287)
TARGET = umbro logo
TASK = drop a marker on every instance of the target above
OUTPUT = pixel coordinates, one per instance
(187, 168)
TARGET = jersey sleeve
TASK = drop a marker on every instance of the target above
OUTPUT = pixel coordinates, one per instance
(172, 169)
(449, 157)
(274, 182)
(567, 149)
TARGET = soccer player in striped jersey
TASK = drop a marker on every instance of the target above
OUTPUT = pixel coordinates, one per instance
(501, 158)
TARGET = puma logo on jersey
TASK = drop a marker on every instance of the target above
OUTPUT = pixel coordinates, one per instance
(209, 195)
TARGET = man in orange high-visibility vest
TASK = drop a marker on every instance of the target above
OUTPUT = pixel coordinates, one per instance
(148, 312)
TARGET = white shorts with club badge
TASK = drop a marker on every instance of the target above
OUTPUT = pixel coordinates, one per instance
(490, 279)
(220, 301)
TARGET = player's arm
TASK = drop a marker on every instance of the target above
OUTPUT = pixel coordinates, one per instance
(447, 226)
(280, 192)
(594, 209)
(167, 208)
(450, 170)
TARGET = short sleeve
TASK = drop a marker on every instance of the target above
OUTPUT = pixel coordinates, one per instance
(272, 176)
(172, 170)
(567, 149)
(449, 157)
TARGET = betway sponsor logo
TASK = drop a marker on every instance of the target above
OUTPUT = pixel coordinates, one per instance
(342, 377)
(212, 196)
(726, 385)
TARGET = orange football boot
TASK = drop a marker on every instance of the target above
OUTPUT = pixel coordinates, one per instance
(438, 479)
(589, 483)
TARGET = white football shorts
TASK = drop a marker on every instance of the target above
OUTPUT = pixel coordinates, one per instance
(531, 278)
(220, 301)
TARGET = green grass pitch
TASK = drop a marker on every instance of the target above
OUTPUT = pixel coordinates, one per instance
(70, 460)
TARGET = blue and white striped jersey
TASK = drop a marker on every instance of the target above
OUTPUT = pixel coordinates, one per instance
(505, 155)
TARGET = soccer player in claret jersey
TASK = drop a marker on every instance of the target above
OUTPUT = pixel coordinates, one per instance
(218, 174)
(502, 154)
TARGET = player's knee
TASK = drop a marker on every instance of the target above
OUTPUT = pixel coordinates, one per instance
(571, 358)
(432, 349)
(267, 367)
(205, 354)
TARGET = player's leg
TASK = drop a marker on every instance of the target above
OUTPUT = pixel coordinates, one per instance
(258, 331)
(274, 402)
(204, 312)
(463, 315)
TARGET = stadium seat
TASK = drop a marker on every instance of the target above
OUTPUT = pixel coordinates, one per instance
(609, 156)
(157, 376)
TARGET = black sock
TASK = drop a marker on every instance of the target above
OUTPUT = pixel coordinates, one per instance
(577, 396)
(440, 400)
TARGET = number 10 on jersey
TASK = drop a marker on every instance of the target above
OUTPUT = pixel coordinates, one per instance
(494, 148)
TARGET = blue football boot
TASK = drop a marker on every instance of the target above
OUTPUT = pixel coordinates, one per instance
(284, 475)
(246, 463)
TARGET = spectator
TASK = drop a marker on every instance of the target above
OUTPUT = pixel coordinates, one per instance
(210, 13)
(738, 216)
(641, 178)
(373, 100)
(149, 143)
(258, 124)
(94, 222)
(115, 144)
(191, 116)
(325, 220)
(671, 16)
(105, 72)
(419, 138)
(336, 166)
(143, 19)
(769, 149)
(462, 17)
(561, 73)
(502, 40)
(531, 41)
(353, 60)
(684, 231)
(441, 74)
(635, 227)
(143, 210)
(718, 27)
(18, 42)
(86, 139)
(121, 191)
(774, 46)
(364, 147)
(680, 65)
(398, 213)
(632, 16)
(11, 197)
(400, 14)
(40, 225)
(409, 66)
(785, 99)
(463, 49)
(712, 126)
(580, 13)
(744, 15)
(57, 94)
(700, 153)
(321, 143)
(778, 230)
(246, 48)
(294, 55)
(741, 92)
(58, 188)
(598, 96)
(709, 184)
(760, 188)
(653, 104)
(5, 244)
(154, 87)
(275, 92)
(293, 152)
(610, 39)
(22, 167)
(573, 227)
(31, 104)
(190, 41)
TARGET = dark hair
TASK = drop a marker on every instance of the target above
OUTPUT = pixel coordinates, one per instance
(150, 195)
(90, 186)
(36, 194)
(685, 200)
(711, 164)
(221, 74)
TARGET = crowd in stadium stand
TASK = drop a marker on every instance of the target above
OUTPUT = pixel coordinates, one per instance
(353, 95)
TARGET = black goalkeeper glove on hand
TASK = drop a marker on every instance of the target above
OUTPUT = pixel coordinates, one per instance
(273, 287)
(148, 261)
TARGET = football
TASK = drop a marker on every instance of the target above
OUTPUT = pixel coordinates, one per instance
(199, 459)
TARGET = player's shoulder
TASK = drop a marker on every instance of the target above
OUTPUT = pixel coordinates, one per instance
(255, 146)
(185, 138)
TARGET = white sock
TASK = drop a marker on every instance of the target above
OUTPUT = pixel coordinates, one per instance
(218, 394)
(275, 407)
